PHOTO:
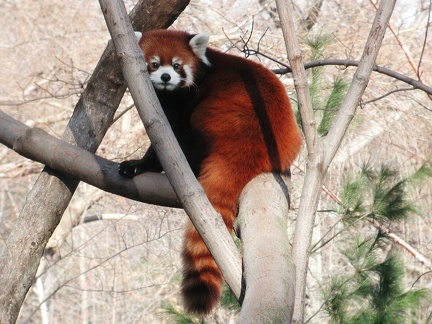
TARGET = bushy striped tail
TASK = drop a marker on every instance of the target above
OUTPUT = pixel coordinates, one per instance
(202, 279)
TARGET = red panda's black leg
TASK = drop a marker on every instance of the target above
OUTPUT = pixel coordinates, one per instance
(149, 163)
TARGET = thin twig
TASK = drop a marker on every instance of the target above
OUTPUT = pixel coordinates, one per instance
(405, 49)
(386, 95)
(380, 69)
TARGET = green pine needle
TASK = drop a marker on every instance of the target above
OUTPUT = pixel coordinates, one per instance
(336, 298)
(380, 195)
(353, 198)
(333, 104)
(423, 173)
(229, 300)
(317, 44)
(373, 292)
(390, 199)
(178, 317)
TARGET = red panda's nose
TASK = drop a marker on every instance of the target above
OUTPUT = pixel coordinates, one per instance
(165, 77)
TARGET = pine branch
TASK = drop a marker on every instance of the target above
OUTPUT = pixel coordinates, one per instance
(386, 232)
(395, 238)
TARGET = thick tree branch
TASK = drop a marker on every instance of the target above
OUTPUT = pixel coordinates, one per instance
(299, 75)
(360, 81)
(196, 204)
(52, 192)
(269, 272)
(36, 144)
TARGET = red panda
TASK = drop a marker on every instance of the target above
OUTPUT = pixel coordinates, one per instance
(233, 120)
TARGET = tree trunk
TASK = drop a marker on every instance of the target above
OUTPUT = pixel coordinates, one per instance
(269, 272)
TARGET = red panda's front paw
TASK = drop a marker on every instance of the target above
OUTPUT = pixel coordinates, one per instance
(129, 169)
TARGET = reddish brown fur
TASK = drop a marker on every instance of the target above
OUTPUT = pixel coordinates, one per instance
(163, 47)
(246, 118)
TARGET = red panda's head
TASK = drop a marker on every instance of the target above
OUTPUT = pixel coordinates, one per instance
(173, 57)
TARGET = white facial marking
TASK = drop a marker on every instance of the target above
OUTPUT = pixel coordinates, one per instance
(189, 80)
(161, 80)
(154, 59)
(177, 60)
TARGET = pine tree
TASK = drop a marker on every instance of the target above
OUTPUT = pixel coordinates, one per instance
(371, 291)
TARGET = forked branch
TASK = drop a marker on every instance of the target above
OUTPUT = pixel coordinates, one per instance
(321, 153)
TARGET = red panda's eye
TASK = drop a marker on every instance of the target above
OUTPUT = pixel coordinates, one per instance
(176, 66)
(155, 65)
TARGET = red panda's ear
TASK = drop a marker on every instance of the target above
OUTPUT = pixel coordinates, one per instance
(199, 46)
(138, 35)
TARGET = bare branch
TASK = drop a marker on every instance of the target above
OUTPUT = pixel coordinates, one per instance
(320, 154)
(300, 80)
(36, 144)
(398, 240)
(380, 69)
(364, 103)
(425, 40)
(405, 49)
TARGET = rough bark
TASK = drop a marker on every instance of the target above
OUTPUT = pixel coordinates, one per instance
(192, 196)
(269, 272)
(36, 144)
(52, 191)
(321, 152)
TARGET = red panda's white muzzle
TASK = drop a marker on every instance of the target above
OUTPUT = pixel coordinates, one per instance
(169, 76)
(165, 78)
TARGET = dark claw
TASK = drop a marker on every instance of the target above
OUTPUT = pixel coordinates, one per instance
(128, 169)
